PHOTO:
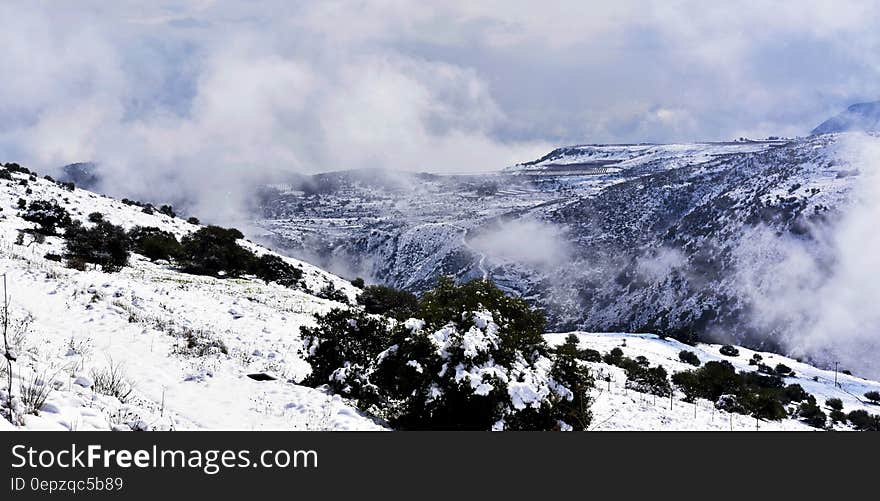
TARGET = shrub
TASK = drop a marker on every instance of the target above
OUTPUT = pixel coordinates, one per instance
(614, 357)
(34, 391)
(212, 250)
(835, 404)
(104, 244)
(330, 292)
(343, 339)
(783, 370)
(873, 396)
(689, 357)
(22, 203)
(811, 414)
(48, 215)
(863, 421)
(729, 351)
(358, 282)
(112, 381)
(96, 217)
(756, 359)
(167, 210)
(383, 300)
(837, 416)
(763, 404)
(53, 257)
(153, 243)
(193, 220)
(4, 174)
(199, 343)
(271, 268)
(571, 348)
(472, 358)
(795, 393)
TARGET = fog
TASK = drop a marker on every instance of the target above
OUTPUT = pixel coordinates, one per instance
(820, 295)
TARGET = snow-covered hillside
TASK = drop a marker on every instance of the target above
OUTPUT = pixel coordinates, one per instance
(140, 320)
(616, 407)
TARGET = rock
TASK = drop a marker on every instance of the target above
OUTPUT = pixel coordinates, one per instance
(83, 381)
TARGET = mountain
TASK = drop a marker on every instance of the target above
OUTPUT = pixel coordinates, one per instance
(858, 117)
(152, 348)
(82, 174)
(686, 240)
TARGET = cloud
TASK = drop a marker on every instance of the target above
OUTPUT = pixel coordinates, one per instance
(198, 99)
(820, 294)
(524, 241)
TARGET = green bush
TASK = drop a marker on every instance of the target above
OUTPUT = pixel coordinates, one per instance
(835, 404)
(614, 357)
(272, 268)
(104, 244)
(96, 217)
(358, 282)
(783, 370)
(212, 250)
(837, 416)
(193, 220)
(689, 357)
(864, 421)
(795, 393)
(383, 300)
(873, 396)
(154, 244)
(811, 414)
(571, 348)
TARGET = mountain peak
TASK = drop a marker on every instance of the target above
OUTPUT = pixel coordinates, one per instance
(857, 117)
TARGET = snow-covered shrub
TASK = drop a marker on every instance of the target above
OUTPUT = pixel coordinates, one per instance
(471, 358)
(104, 244)
(199, 343)
(329, 291)
(34, 391)
(48, 215)
(341, 344)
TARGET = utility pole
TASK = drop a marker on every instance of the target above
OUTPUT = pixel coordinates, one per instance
(835, 373)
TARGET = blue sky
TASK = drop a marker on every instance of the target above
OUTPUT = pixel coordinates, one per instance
(173, 91)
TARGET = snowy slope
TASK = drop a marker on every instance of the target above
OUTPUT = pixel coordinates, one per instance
(618, 408)
(138, 319)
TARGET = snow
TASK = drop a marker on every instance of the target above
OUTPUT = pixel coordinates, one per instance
(139, 318)
(616, 407)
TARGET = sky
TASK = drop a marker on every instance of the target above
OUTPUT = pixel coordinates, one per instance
(174, 94)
